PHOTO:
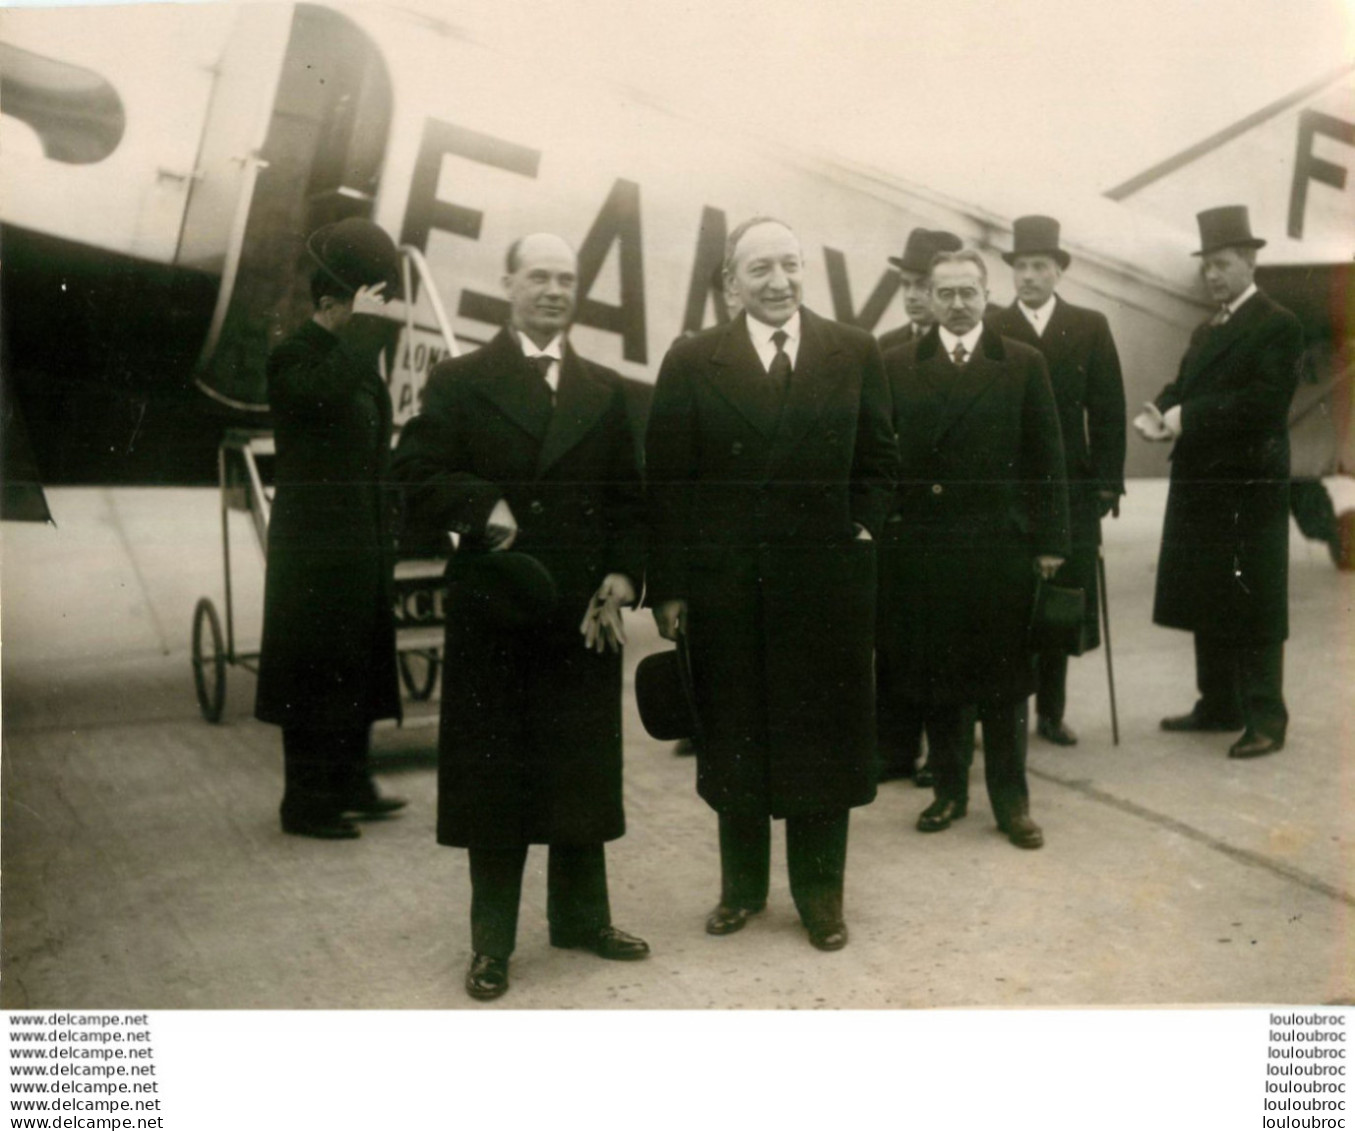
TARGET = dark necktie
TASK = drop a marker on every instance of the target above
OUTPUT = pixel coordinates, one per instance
(959, 355)
(542, 363)
(779, 373)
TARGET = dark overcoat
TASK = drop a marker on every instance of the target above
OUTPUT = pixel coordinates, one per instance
(328, 653)
(753, 504)
(1224, 566)
(1084, 372)
(530, 745)
(981, 494)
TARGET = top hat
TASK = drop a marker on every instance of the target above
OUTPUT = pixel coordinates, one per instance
(506, 587)
(1228, 226)
(665, 696)
(922, 248)
(356, 253)
(1036, 235)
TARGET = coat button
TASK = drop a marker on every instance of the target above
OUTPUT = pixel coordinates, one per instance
(737, 449)
(535, 506)
(937, 488)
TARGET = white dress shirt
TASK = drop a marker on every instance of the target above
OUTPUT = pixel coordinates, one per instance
(555, 350)
(761, 334)
(970, 340)
(1038, 317)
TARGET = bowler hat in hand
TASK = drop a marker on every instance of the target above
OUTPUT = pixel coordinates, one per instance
(665, 696)
(356, 253)
(1036, 235)
(1227, 226)
(507, 587)
(1056, 621)
(923, 244)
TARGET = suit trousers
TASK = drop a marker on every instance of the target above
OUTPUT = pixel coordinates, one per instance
(576, 894)
(323, 771)
(1051, 695)
(816, 858)
(1241, 684)
(1004, 754)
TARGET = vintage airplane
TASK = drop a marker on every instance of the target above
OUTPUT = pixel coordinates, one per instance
(162, 164)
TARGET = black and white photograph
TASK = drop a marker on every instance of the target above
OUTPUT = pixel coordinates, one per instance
(639, 520)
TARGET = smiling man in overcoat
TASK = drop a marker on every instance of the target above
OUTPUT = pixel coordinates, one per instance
(982, 509)
(770, 460)
(524, 449)
(1223, 572)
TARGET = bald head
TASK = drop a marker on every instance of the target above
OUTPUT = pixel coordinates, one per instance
(541, 275)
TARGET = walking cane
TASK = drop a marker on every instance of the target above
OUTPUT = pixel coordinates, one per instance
(1105, 631)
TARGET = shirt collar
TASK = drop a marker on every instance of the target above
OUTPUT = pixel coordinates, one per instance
(1040, 314)
(554, 348)
(971, 340)
(1243, 297)
(761, 333)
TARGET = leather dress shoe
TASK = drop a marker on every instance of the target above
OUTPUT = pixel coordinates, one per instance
(1254, 745)
(1022, 831)
(924, 777)
(940, 813)
(1055, 731)
(487, 977)
(831, 935)
(605, 942)
(374, 806)
(334, 827)
(1193, 720)
(726, 919)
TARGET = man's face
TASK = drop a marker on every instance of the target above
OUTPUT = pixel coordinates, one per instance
(1035, 277)
(917, 296)
(541, 289)
(1226, 274)
(767, 275)
(958, 296)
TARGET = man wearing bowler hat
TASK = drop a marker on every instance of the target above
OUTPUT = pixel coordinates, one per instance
(1223, 571)
(327, 663)
(914, 268)
(523, 449)
(1084, 370)
(770, 460)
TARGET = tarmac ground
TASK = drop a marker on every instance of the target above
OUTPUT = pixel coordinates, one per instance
(144, 866)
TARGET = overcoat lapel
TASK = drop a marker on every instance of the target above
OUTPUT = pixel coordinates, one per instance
(1218, 339)
(510, 386)
(737, 374)
(967, 383)
(814, 380)
(581, 402)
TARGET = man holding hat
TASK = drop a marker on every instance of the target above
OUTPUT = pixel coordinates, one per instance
(327, 664)
(914, 267)
(1084, 370)
(524, 450)
(1223, 571)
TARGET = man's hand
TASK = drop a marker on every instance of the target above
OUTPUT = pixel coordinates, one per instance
(862, 534)
(501, 530)
(671, 617)
(1107, 503)
(1150, 425)
(602, 627)
(370, 300)
(1047, 565)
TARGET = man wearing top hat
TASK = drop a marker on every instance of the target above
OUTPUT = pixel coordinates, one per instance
(1084, 370)
(524, 450)
(914, 268)
(770, 460)
(327, 663)
(1223, 571)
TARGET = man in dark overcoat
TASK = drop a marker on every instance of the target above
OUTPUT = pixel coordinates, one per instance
(524, 444)
(327, 664)
(981, 510)
(1223, 572)
(1084, 370)
(770, 458)
(899, 728)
